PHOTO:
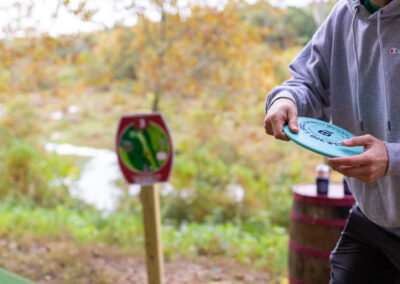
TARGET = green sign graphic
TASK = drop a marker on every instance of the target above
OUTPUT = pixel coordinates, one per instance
(145, 150)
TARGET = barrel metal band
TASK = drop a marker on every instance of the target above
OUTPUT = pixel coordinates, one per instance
(295, 281)
(308, 251)
(319, 222)
(324, 200)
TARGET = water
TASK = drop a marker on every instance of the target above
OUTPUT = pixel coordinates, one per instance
(97, 183)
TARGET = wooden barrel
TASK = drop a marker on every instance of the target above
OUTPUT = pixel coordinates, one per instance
(315, 226)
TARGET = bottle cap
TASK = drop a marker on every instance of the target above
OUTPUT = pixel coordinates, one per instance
(322, 171)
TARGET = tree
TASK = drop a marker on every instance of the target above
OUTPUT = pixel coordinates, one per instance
(172, 51)
(300, 22)
(159, 38)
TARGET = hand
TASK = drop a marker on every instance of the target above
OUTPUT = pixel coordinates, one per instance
(281, 111)
(366, 167)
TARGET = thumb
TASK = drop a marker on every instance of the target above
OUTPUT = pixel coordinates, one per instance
(293, 121)
(358, 141)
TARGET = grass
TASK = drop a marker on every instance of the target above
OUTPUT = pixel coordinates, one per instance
(234, 136)
(265, 249)
(95, 122)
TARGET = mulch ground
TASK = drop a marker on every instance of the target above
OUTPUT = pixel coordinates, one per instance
(67, 262)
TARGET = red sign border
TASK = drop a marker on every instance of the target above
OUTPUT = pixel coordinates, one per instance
(128, 173)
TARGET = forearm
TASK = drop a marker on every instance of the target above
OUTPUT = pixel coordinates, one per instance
(308, 88)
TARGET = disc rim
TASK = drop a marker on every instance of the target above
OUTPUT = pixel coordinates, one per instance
(336, 152)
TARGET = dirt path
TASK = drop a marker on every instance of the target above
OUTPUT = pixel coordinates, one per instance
(64, 261)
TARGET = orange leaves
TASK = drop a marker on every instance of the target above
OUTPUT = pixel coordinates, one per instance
(77, 8)
(206, 51)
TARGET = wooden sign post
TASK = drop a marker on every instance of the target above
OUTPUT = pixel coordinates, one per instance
(152, 232)
(145, 155)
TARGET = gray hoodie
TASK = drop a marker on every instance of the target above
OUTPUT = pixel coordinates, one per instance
(349, 73)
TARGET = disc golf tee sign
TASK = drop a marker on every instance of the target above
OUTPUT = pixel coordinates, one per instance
(144, 148)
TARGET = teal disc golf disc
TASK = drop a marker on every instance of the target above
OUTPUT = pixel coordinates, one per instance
(323, 138)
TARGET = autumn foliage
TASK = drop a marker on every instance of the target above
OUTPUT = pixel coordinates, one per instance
(212, 51)
(208, 70)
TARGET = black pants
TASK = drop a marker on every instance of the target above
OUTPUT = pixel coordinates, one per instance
(365, 253)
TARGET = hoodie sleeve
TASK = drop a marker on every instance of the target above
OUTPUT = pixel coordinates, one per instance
(309, 85)
(393, 150)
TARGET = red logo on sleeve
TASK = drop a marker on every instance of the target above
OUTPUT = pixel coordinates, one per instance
(394, 51)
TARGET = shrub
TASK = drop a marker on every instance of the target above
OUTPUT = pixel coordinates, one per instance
(27, 171)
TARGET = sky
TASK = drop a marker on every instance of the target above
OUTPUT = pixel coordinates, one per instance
(106, 15)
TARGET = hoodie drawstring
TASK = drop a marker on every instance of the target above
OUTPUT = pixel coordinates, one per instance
(387, 98)
(358, 68)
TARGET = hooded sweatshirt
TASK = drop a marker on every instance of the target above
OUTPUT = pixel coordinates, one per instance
(349, 74)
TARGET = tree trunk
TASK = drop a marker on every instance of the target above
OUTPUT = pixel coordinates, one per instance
(161, 57)
(156, 101)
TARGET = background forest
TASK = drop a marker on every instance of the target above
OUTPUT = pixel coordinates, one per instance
(208, 69)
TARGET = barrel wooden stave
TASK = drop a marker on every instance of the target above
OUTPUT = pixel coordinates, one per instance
(308, 269)
(320, 212)
(315, 227)
(314, 237)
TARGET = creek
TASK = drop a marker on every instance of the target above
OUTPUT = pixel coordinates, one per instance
(96, 185)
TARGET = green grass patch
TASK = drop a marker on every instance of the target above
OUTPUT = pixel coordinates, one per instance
(263, 248)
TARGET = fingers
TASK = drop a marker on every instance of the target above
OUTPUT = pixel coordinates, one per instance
(353, 161)
(358, 160)
(277, 127)
(358, 141)
(293, 120)
(366, 173)
(282, 111)
(360, 167)
(268, 127)
(367, 167)
(362, 172)
(353, 172)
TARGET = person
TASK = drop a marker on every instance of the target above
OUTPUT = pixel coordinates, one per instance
(349, 73)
